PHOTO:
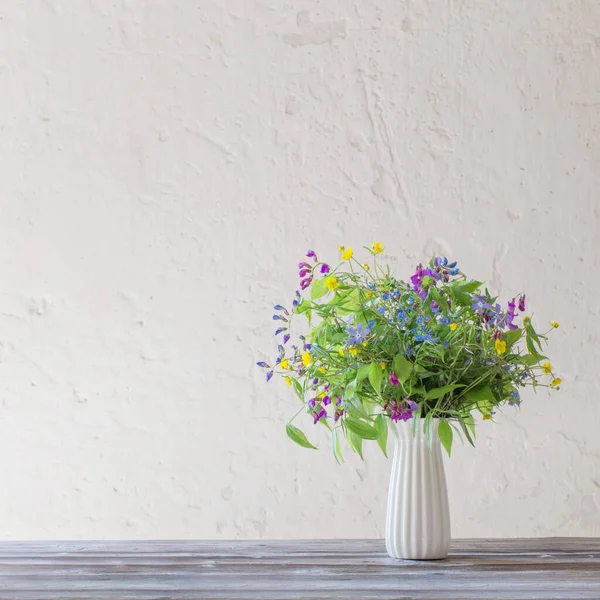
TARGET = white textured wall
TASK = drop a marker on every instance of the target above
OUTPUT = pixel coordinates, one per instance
(164, 166)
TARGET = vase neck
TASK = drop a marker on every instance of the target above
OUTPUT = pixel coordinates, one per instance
(411, 431)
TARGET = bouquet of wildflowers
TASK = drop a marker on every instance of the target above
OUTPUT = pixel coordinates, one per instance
(438, 346)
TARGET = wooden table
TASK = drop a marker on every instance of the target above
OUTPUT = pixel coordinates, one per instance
(476, 569)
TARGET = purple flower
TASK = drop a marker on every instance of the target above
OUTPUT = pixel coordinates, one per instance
(394, 379)
(437, 262)
(312, 402)
(400, 414)
(264, 365)
(319, 415)
(512, 313)
(286, 338)
(303, 273)
(405, 414)
(357, 334)
(326, 401)
(279, 318)
(522, 303)
(479, 304)
(325, 268)
(269, 375)
(338, 400)
(312, 255)
(280, 330)
(411, 403)
(279, 307)
(305, 283)
(303, 265)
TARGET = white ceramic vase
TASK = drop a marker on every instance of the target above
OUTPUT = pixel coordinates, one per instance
(418, 518)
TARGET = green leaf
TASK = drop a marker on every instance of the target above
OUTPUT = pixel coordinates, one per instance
(375, 376)
(352, 387)
(480, 393)
(530, 346)
(297, 436)
(532, 359)
(442, 391)
(318, 289)
(361, 429)
(428, 429)
(335, 447)
(355, 443)
(466, 425)
(353, 404)
(298, 389)
(482, 397)
(445, 434)
(381, 424)
(510, 337)
(349, 303)
(532, 335)
(363, 372)
(403, 368)
(467, 286)
(303, 307)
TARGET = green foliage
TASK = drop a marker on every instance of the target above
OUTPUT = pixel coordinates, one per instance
(436, 349)
(361, 428)
(403, 367)
(445, 435)
(296, 435)
(375, 377)
(381, 425)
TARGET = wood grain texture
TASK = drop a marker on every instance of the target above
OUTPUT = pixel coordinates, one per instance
(514, 569)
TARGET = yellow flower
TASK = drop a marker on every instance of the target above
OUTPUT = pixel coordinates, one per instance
(341, 351)
(306, 359)
(366, 267)
(331, 283)
(453, 326)
(500, 346)
(554, 324)
(369, 294)
(347, 254)
(547, 368)
(365, 343)
(556, 382)
(376, 247)
(487, 417)
(288, 380)
(284, 363)
(323, 369)
(354, 350)
(341, 248)
(526, 319)
(382, 365)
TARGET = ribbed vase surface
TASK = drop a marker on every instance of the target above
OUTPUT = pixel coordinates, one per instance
(418, 517)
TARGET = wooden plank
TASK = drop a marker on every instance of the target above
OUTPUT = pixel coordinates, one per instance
(510, 569)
